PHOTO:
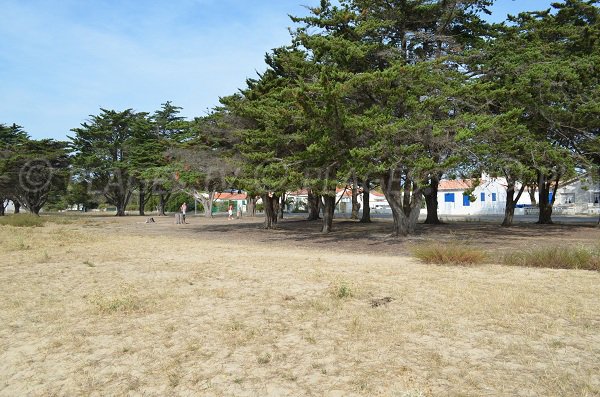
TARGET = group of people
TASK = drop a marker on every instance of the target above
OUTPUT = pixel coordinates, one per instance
(183, 209)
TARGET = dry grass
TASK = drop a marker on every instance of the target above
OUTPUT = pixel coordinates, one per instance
(556, 257)
(123, 308)
(22, 220)
(455, 253)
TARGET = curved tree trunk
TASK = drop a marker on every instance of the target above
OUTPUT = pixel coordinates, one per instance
(207, 202)
(511, 202)
(366, 212)
(531, 190)
(328, 211)
(3, 205)
(17, 206)
(431, 201)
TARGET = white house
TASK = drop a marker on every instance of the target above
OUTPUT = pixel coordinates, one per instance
(490, 197)
(9, 206)
(578, 196)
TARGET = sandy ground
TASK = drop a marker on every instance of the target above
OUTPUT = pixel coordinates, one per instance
(106, 306)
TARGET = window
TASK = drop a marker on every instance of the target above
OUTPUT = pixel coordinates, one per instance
(466, 201)
(493, 196)
(449, 197)
(482, 196)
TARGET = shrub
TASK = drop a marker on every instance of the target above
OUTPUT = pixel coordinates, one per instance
(22, 220)
(449, 254)
(341, 290)
(556, 257)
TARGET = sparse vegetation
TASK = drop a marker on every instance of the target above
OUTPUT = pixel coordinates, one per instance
(22, 220)
(264, 358)
(123, 301)
(457, 253)
(341, 290)
(556, 257)
(293, 320)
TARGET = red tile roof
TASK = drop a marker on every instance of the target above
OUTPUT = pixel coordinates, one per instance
(458, 184)
(230, 196)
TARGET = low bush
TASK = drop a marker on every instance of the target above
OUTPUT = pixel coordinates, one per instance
(556, 257)
(449, 254)
(340, 290)
(22, 220)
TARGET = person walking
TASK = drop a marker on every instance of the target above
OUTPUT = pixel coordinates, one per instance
(183, 211)
(230, 212)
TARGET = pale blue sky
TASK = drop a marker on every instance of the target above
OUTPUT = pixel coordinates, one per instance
(60, 61)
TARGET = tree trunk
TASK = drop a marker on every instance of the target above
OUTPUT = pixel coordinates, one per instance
(207, 202)
(162, 202)
(276, 208)
(142, 201)
(511, 202)
(3, 205)
(355, 203)
(17, 206)
(120, 210)
(366, 212)
(270, 212)
(314, 201)
(431, 201)
(251, 206)
(281, 206)
(405, 202)
(531, 190)
(545, 202)
(509, 210)
(328, 210)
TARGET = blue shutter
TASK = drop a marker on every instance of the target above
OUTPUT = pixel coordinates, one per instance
(466, 201)
(482, 196)
(493, 196)
(449, 197)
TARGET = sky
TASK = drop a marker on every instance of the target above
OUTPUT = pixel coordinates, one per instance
(63, 60)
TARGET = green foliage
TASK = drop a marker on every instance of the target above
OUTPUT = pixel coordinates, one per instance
(556, 257)
(103, 149)
(33, 171)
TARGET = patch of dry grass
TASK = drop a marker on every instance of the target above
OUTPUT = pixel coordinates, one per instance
(556, 257)
(22, 220)
(125, 300)
(456, 253)
(117, 310)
